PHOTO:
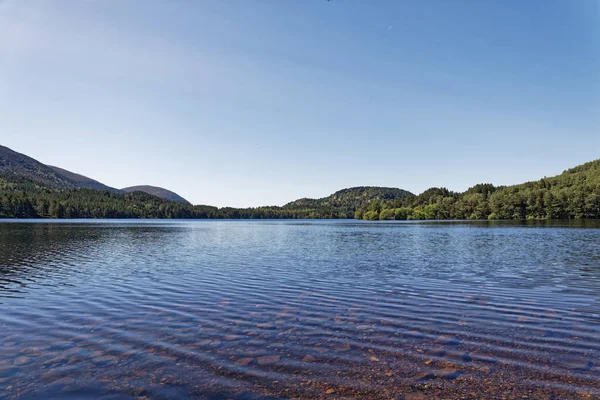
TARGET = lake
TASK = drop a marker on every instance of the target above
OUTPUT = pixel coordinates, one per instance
(299, 309)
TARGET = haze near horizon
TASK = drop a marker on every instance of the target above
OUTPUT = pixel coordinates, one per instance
(260, 103)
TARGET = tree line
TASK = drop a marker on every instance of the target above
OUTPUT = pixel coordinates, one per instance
(17, 201)
(572, 195)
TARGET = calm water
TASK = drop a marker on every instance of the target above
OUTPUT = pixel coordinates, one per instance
(287, 309)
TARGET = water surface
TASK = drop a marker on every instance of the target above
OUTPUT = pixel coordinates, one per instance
(299, 309)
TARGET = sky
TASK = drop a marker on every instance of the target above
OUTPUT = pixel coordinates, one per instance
(260, 102)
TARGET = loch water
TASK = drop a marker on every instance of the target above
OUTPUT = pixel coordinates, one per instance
(299, 309)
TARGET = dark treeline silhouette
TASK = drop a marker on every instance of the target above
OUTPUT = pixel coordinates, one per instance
(573, 194)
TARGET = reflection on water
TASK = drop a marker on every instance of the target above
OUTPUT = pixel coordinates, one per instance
(288, 309)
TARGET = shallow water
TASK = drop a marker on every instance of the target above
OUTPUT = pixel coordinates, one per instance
(299, 309)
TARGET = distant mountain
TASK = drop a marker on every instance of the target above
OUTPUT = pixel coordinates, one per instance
(81, 181)
(156, 191)
(19, 168)
(16, 166)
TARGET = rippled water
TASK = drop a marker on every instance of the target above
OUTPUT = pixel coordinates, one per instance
(287, 309)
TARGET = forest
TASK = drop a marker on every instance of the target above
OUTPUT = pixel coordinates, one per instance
(22, 197)
(572, 195)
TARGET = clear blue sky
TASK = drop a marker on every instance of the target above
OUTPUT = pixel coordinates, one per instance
(247, 103)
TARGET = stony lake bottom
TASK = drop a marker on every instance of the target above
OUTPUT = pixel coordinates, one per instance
(299, 309)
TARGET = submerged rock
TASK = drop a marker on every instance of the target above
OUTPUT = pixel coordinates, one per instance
(21, 360)
(459, 356)
(414, 334)
(64, 381)
(448, 373)
(436, 352)
(447, 340)
(340, 347)
(424, 376)
(575, 364)
(256, 374)
(268, 360)
(244, 361)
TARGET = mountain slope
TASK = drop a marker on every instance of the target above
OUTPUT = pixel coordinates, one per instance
(81, 181)
(16, 166)
(156, 191)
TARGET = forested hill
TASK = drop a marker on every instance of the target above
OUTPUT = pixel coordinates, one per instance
(19, 168)
(343, 203)
(16, 166)
(30, 189)
(573, 194)
(156, 191)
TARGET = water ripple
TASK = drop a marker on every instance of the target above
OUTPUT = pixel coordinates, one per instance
(305, 310)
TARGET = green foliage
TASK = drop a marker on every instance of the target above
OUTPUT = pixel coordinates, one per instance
(402, 213)
(22, 197)
(573, 194)
(344, 203)
(371, 215)
(387, 214)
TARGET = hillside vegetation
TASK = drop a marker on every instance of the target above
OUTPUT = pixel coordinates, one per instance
(30, 189)
(343, 203)
(23, 198)
(17, 166)
(571, 195)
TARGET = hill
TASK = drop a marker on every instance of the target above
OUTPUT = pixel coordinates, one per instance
(81, 181)
(15, 167)
(573, 194)
(156, 191)
(31, 176)
(343, 203)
